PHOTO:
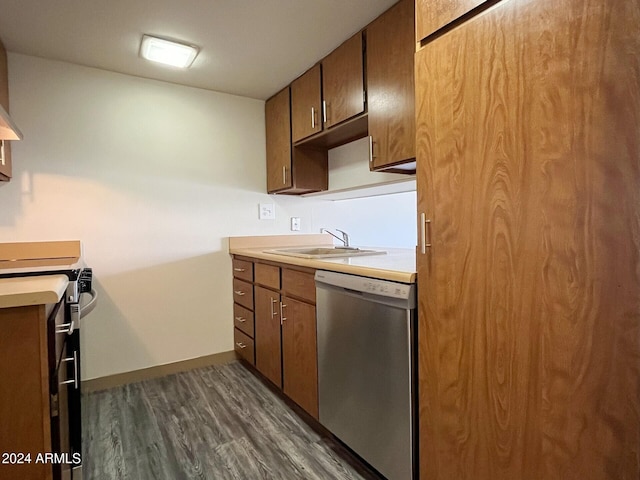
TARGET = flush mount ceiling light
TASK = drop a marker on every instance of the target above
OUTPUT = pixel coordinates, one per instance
(167, 52)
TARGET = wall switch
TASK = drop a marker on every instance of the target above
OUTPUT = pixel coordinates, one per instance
(295, 224)
(267, 211)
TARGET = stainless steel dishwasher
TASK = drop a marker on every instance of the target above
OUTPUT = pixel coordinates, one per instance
(367, 368)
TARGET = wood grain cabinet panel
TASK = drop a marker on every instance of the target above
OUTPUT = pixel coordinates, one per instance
(244, 346)
(267, 334)
(243, 293)
(299, 284)
(277, 113)
(243, 319)
(243, 269)
(300, 354)
(390, 86)
(268, 275)
(343, 82)
(529, 306)
(306, 104)
(432, 15)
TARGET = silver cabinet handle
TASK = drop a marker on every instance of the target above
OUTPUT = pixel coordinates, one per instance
(282, 317)
(241, 319)
(371, 144)
(65, 328)
(236, 269)
(239, 293)
(241, 345)
(273, 312)
(75, 381)
(425, 229)
(313, 118)
(284, 175)
(324, 111)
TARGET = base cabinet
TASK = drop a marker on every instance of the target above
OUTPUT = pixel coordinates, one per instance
(284, 331)
(36, 409)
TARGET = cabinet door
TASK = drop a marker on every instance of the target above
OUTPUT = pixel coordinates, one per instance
(528, 167)
(5, 168)
(300, 354)
(432, 15)
(305, 105)
(343, 82)
(278, 133)
(267, 334)
(390, 86)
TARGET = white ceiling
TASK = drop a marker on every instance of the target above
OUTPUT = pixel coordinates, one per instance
(251, 48)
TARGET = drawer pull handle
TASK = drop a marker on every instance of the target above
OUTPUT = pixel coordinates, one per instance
(241, 345)
(241, 320)
(65, 328)
(236, 269)
(239, 293)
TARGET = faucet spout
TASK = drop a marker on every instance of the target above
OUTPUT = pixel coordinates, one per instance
(344, 239)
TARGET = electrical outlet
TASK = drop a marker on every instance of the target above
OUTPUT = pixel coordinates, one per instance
(295, 224)
(267, 211)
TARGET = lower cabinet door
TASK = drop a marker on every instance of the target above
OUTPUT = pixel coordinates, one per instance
(244, 346)
(299, 354)
(267, 334)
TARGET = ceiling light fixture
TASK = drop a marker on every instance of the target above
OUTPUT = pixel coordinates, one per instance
(167, 52)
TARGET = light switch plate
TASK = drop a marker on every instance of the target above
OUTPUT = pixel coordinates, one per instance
(295, 224)
(267, 211)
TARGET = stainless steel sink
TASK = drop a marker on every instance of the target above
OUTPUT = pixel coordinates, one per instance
(324, 252)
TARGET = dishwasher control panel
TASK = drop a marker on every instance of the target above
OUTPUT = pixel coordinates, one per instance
(372, 286)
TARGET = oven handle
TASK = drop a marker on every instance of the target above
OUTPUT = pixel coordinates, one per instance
(88, 308)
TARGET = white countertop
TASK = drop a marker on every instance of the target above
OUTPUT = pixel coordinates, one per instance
(36, 290)
(398, 264)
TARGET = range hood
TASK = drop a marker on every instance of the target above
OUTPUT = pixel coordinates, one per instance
(8, 129)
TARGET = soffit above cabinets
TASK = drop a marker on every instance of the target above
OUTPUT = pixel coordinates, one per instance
(248, 48)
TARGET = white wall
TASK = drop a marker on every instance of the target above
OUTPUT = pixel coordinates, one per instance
(152, 177)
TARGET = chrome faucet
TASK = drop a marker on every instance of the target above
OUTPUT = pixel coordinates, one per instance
(344, 239)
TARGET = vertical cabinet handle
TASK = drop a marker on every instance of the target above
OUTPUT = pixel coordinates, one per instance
(324, 111)
(273, 311)
(282, 317)
(371, 144)
(284, 174)
(425, 233)
(313, 118)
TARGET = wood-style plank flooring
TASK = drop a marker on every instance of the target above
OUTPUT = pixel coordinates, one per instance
(217, 423)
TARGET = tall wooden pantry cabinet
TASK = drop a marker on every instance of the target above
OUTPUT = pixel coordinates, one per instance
(528, 155)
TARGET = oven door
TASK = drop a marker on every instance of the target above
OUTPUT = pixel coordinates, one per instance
(65, 392)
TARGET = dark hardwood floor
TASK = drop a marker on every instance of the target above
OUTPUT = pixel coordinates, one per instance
(212, 423)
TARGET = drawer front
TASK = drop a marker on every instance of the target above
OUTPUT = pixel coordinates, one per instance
(244, 346)
(268, 275)
(243, 319)
(243, 269)
(243, 293)
(299, 284)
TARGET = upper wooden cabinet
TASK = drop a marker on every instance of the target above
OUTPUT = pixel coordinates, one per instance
(290, 170)
(390, 88)
(306, 104)
(432, 15)
(5, 166)
(343, 82)
(278, 134)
